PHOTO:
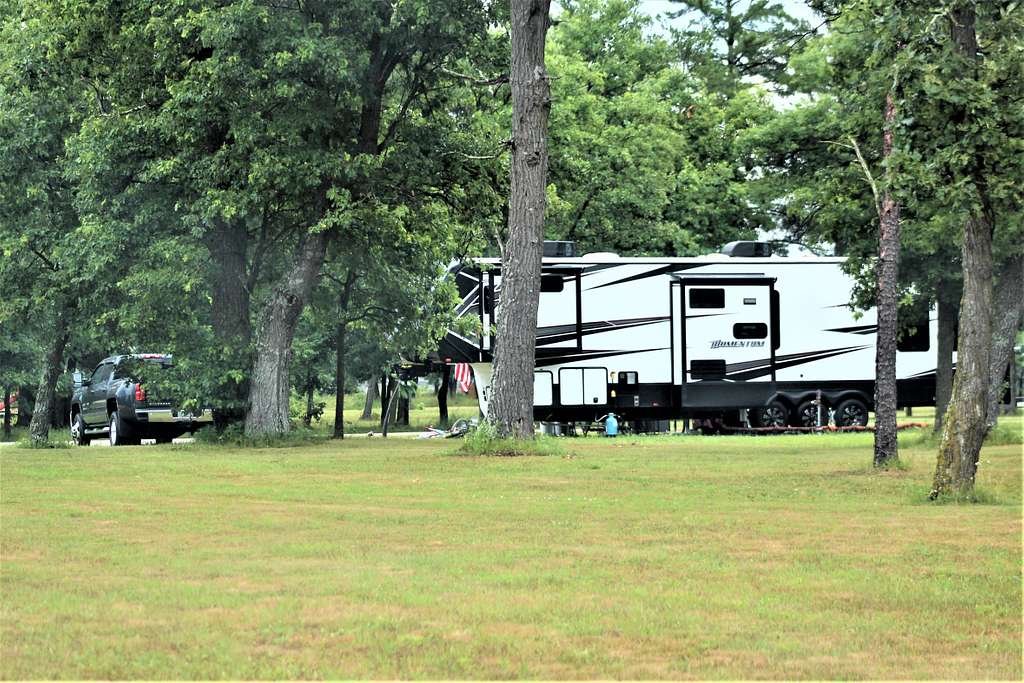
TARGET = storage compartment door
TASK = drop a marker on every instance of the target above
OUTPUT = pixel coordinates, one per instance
(595, 386)
(543, 391)
(570, 386)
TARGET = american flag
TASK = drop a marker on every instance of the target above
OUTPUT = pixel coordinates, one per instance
(464, 376)
(14, 402)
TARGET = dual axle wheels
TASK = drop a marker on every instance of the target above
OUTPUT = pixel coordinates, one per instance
(850, 412)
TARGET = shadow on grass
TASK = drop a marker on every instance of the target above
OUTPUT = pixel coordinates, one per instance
(32, 444)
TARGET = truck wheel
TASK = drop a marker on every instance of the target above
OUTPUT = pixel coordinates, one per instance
(807, 415)
(851, 413)
(775, 414)
(119, 434)
(78, 434)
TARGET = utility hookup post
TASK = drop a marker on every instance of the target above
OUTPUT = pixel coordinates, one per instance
(817, 403)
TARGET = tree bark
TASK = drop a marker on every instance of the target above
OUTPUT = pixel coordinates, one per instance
(442, 396)
(371, 396)
(886, 449)
(1007, 313)
(964, 428)
(42, 413)
(511, 407)
(270, 387)
(948, 305)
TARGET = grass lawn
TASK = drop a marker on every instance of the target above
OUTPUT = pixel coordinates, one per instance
(660, 557)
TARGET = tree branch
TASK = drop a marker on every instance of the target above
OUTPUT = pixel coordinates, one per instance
(868, 176)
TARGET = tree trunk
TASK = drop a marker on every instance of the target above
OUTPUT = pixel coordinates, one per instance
(886, 303)
(511, 407)
(7, 412)
(339, 380)
(270, 388)
(387, 402)
(371, 396)
(229, 292)
(42, 413)
(307, 419)
(26, 399)
(949, 307)
(1007, 313)
(402, 413)
(963, 429)
(228, 242)
(339, 355)
(442, 396)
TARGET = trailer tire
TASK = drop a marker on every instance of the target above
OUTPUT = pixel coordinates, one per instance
(806, 414)
(851, 412)
(775, 414)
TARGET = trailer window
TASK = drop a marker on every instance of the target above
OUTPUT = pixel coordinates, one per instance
(707, 298)
(627, 377)
(749, 331)
(913, 327)
(552, 283)
(489, 300)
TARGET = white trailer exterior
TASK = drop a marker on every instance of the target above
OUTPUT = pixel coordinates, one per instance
(659, 338)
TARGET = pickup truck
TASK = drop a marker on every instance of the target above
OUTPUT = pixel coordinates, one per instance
(112, 402)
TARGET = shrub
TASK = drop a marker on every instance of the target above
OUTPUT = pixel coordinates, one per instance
(485, 440)
(234, 435)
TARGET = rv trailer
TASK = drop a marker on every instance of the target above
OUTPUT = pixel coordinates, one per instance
(739, 333)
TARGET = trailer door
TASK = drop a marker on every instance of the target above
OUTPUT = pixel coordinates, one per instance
(729, 328)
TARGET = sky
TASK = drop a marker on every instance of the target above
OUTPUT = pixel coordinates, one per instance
(795, 8)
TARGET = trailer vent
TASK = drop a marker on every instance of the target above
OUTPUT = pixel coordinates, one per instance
(747, 249)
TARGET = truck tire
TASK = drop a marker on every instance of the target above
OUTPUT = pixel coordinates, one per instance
(120, 435)
(851, 413)
(78, 434)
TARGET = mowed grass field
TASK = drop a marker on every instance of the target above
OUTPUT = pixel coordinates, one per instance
(659, 557)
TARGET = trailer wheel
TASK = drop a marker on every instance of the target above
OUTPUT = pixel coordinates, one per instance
(807, 414)
(775, 414)
(851, 413)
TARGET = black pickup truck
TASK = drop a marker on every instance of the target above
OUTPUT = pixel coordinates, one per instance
(111, 401)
